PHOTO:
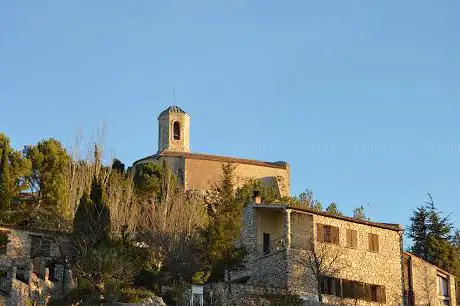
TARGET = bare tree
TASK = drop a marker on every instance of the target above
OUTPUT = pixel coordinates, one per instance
(320, 259)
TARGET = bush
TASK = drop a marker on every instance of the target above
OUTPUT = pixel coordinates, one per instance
(132, 295)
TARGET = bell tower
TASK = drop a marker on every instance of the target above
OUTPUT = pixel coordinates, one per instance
(174, 130)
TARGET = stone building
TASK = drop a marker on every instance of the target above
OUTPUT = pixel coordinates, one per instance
(426, 284)
(32, 266)
(364, 258)
(199, 171)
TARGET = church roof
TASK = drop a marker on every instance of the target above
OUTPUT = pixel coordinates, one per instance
(226, 159)
(172, 109)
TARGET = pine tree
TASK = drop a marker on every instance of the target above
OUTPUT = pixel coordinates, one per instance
(431, 234)
(333, 210)
(358, 213)
(418, 232)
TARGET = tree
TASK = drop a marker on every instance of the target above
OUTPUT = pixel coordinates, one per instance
(14, 168)
(92, 219)
(50, 163)
(431, 233)
(333, 210)
(320, 260)
(418, 232)
(5, 180)
(224, 223)
(358, 213)
(153, 181)
(306, 200)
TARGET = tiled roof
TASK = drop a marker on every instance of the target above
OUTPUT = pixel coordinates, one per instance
(225, 159)
(172, 109)
(390, 226)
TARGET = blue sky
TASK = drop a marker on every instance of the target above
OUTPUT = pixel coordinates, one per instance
(362, 98)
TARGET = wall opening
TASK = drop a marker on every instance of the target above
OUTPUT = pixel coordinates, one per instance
(176, 130)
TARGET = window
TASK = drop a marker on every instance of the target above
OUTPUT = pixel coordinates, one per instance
(363, 291)
(331, 286)
(176, 130)
(442, 285)
(373, 242)
(352, 239)
(40, 246)
(266, 243)
(327, 233)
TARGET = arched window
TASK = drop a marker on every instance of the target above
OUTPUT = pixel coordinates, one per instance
(176, 130)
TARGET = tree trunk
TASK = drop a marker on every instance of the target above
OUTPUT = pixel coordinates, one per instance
(320, 296)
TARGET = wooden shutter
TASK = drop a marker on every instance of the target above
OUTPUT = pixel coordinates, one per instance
(334, 235)
(373, 242)
(381, 295)
(354, 235)
(319, 232)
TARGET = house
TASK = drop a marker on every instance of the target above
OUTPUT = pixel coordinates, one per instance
(363, 259)
(33, 265)
(427, 284)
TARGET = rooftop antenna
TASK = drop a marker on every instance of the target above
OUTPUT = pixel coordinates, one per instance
(174, 95)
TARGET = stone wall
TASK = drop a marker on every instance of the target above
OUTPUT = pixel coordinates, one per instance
(423, 278)
(19, 245)
(201, 174)
(358, 264)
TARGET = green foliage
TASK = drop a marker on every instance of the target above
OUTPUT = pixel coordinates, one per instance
(200, 277)
(433, 237)
(3, 240)
(14, 169)
(50, 164)
(268, 192)
(358, 213)
(132, 295)
(152, 180)
(92, 219)
(6, 195)
(306, 200)
(224, 224)
(333, 210)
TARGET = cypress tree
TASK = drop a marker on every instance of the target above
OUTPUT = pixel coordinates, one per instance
(5, 179)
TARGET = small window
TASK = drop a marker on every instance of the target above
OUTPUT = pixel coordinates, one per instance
(266, 243)
(327, 233)
(352, 239)
(373, 243)
(176, 130)
(443, 286)
(40, 246)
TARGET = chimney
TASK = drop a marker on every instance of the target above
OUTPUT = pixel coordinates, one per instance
(256, 197)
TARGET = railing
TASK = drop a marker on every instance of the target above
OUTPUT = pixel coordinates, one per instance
(274, 245)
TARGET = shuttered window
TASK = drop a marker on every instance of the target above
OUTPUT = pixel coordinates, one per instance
(352, 238)
(327, 233)
(373, 242)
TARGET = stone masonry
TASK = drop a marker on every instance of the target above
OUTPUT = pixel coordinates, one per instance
(282, 266)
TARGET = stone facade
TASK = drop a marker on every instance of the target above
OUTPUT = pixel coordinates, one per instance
(19, 248)
(280, 262)
(200, 171)
(174, 130)
(32, 266)
(422, 283)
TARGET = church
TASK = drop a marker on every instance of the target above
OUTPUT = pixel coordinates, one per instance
(197, 171)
